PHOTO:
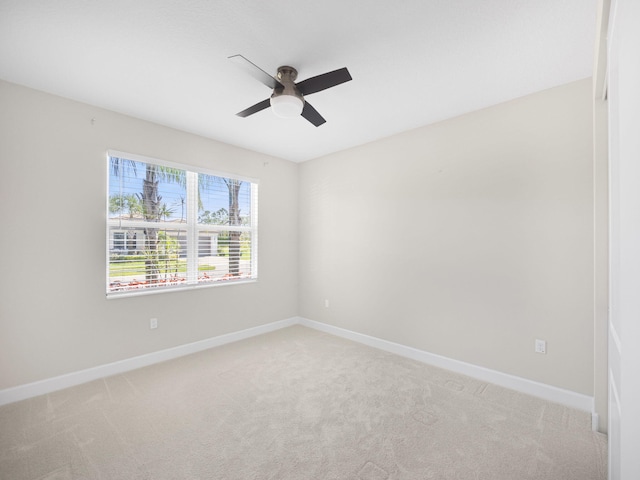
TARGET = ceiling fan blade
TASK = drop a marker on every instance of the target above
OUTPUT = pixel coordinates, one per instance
(312, 114)
(255, 71)
(255, 108)
(324, 81)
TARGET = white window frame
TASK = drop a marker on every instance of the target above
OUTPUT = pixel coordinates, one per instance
(192, 228)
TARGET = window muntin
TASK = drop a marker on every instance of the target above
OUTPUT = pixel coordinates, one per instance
(171, 227)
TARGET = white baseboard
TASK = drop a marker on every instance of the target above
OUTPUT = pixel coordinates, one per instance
(519, 384)
(49, 385)
(547, 392)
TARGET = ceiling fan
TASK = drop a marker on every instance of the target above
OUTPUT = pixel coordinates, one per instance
(288, 99)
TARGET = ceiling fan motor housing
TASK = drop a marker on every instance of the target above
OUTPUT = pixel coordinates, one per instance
(287, 77)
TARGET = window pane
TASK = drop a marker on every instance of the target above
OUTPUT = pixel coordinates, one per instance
(224, 201)
(139, 266)
(143, 191)
(224, 255)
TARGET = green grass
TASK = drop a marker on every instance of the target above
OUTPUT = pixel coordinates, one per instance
(118, 269)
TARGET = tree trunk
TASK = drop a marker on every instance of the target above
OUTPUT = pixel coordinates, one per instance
(131, 245)
(150, 207)
(234, 219)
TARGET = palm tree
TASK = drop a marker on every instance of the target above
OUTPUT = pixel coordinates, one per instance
(128, 202)
(182, 203)
(116, 203)
(164, 212)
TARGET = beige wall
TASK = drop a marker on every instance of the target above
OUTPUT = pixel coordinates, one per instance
(54, 317)
(469, 238)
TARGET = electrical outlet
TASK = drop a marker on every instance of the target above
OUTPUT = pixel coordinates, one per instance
(153, 323)
(326, 303)
(541, 346)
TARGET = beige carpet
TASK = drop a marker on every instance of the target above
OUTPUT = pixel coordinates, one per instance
(295, 404)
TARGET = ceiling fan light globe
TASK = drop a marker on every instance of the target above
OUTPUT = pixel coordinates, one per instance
(286, 106)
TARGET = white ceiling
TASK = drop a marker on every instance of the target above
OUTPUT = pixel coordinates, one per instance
(413, 62)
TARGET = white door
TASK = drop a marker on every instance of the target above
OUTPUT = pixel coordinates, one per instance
(624, 319)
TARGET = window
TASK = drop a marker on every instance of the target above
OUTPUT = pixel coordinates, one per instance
(171, 227)
(118, 240)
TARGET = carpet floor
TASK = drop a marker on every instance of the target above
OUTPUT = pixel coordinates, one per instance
(295, 404)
